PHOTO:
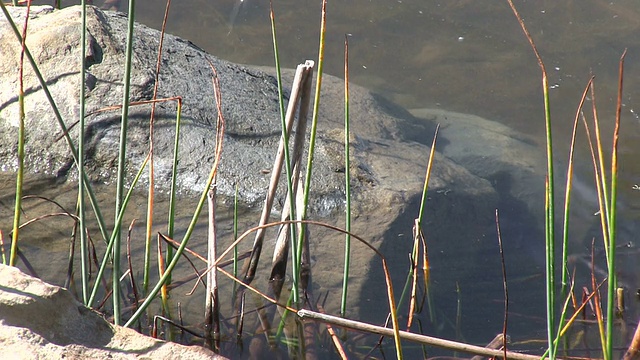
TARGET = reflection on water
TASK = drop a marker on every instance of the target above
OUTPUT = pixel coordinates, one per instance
(466, 56)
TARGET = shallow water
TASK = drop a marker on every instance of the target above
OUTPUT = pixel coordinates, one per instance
(470, 57)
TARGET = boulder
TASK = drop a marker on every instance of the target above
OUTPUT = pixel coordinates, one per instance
(389, 152)
(42, 321)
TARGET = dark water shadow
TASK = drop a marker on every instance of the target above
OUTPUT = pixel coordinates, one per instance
(464, 254)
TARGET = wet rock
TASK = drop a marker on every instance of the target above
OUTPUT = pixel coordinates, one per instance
(389, 151)
(43, 321)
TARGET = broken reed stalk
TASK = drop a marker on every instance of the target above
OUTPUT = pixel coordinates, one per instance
(212, 302)
(634, 347)
(421, 339)
(299, 95)
(303, 72)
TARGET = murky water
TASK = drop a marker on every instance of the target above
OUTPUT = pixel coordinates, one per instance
(471, 57)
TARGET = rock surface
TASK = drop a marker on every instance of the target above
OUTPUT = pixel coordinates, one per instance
(387, 160)
(42, 321)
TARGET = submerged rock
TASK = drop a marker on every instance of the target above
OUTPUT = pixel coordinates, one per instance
(42, 321)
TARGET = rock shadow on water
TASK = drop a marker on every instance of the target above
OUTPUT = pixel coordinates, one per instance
(465, 268)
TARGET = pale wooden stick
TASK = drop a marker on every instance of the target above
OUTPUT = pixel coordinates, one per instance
(252, 264)
(422, 339)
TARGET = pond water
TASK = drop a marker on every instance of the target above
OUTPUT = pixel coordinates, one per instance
(470, 57)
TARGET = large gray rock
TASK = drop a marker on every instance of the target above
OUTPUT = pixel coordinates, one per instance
(42, 321)
(388, 157)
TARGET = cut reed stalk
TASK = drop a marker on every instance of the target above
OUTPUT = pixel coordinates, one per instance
(301, 81)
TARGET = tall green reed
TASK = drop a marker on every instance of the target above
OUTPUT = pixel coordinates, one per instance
(122, 157)
(314, 130)
(347, 184)
(21, 130)
(549, 218)
(84, 246)
(287, 156)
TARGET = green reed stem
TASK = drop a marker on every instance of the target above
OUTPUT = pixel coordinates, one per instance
(183, 244)
(192, 225)
(235, 233)
(122, 153)
(423, 206)
(611, 280)
(567, 206)
(347, 184)
(19, 178)
(314, 129)
(287, 162)
(549, 196)
(84, 245)
(94, 202)
(549, 223)
(174, 173)
(116, 231)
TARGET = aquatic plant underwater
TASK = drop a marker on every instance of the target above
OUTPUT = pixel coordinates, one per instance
(563, 306)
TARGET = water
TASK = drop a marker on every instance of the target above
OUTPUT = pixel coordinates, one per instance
(468, 57)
